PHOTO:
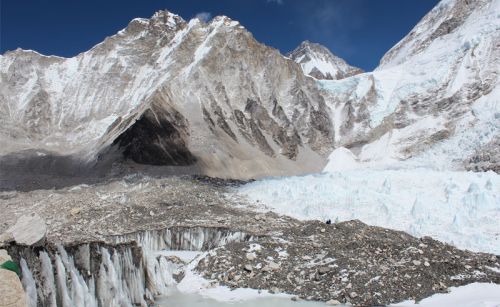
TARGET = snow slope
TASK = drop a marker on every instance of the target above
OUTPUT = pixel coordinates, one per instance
(208, 95)
(472, 295)
(341, 159)
(461, 208)
(435, 97)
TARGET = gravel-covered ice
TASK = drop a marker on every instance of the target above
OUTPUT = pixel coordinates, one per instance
(461, 208)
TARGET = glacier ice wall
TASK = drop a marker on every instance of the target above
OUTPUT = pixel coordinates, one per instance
(127, 272)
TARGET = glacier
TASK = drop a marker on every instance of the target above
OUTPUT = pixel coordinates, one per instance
(460, 208)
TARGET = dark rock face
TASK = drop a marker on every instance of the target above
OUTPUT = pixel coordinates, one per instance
(460, 12)
(157, 140)
(37, 114)
(320, 76)
(261, 120)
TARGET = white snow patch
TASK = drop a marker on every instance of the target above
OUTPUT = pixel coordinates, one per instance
(472, 295)
(254, 247)
(341, 159)
(204, 48)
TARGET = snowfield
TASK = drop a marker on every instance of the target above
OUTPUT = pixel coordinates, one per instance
(472, 295)
(460, 208)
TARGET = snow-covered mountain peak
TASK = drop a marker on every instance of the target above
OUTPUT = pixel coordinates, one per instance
(319, 62)
(161, 21)
(166, 17)
(207, 95)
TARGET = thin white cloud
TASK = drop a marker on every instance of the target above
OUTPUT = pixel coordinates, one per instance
(204, 16)
(280, 2)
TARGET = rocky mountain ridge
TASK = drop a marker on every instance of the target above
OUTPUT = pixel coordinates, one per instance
(183, 93)
(210, 97)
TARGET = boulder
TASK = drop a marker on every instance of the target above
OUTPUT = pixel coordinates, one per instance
(28, 230)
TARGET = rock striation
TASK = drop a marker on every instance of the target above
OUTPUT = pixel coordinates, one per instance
(164, 91)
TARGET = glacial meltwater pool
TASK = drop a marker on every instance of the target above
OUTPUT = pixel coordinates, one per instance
(178, 299)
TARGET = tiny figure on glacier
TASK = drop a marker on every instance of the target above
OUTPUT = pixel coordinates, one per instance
(328, 222)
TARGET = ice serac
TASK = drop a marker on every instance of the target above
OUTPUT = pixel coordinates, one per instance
(131, 272)
(319, 62)
(164, 91)
(434, 99)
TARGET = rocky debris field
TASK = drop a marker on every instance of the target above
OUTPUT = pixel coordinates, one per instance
(336, 263)
(348, 262)
(135, 203)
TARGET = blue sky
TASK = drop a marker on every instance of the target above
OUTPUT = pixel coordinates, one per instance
(360, 31)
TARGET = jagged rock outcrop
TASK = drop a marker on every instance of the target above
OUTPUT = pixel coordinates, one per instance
(164, 91)
(319, 62)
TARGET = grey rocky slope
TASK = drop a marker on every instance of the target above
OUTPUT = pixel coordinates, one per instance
(319, 62)
(166, 91)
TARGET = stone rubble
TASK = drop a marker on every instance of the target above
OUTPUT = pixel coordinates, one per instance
(348, 262)
(341, 262)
